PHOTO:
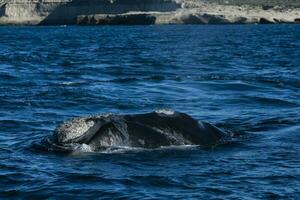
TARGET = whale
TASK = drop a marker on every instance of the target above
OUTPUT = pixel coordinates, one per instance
(161, 128)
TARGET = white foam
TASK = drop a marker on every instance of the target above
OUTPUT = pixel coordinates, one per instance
(121, 149)
(165, 111)
(69, 83)
(84, 148)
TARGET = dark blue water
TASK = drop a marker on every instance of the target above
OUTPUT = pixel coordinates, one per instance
(245, 79)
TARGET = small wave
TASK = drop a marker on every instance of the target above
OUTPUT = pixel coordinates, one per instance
(126, 149)
(268, 123)
(84, 148)
(124, 80)
(47, 145)
(71, 83)
(156, 78)
(272, 101)
(8, 77)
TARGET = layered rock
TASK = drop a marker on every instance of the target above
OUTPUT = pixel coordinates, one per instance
(60, 12)
(132, 12)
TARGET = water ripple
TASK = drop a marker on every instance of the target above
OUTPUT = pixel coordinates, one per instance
(244, 79)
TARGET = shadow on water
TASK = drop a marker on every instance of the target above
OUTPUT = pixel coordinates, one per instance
(66, 13)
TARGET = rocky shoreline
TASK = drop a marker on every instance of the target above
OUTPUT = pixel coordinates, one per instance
(143, 12)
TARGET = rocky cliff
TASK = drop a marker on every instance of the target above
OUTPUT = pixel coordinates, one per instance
(103, 12)
(66, 11)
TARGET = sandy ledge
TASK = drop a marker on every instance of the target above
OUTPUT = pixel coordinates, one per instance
(134, 12)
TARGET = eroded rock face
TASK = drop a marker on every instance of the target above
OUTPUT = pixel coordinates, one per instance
(123, 19)
(59, 12)
(135, 12)
(267, 21)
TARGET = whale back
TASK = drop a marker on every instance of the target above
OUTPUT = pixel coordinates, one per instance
(177, 128)
(149, 130)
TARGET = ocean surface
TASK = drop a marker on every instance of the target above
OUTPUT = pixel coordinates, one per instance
(244, 79)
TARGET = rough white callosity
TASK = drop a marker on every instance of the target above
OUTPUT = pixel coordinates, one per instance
(73, 129)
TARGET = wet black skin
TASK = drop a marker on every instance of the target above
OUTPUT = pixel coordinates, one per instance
(149, 130)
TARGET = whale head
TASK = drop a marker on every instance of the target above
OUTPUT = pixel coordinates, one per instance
(78, 130)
